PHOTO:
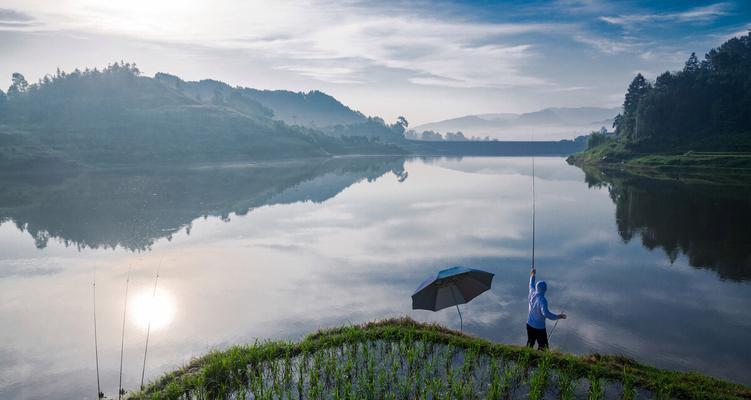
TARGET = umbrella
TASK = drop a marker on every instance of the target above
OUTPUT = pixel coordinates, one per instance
(451, 287)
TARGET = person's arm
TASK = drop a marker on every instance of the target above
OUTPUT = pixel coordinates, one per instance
(547, 313)
(532, 279)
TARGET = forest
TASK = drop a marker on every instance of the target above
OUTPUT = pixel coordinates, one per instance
(705, 106)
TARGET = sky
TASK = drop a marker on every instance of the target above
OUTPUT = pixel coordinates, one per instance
(427, 61)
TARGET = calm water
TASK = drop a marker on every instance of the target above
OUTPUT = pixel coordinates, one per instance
(654, 270)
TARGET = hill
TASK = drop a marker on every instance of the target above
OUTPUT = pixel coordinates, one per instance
(549, 123)
(698, 116)
(116, 116)
(313, 110)
(401, 358)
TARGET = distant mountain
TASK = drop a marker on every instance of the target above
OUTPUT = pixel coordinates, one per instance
(314, 109)
(586, 115)
(549, 123)
(543, 117)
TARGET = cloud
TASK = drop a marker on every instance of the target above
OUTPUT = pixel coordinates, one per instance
(331, 74)
(8, 15)
(671, 56)
(697, 14)
(12, 20)
(734, 32)
(563, 89)
(313, 38)
(605, 45)
(433, 52)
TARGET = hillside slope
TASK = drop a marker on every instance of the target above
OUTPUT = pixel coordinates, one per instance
(313, 110)
(115, 116)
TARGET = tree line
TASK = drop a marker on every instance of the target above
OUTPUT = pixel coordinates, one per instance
(706, 106)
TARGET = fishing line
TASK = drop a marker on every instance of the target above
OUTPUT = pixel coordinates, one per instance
(122, 339)
(148, 327)
(563, 310)
(96, 345)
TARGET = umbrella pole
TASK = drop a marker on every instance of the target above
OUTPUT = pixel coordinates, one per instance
(461, 321)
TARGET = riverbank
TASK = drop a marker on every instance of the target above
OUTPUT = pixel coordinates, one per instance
(613, 153)
(402, 358)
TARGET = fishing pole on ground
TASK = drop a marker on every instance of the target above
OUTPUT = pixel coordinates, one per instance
(120, 391)
(148, 327)
(96, 344)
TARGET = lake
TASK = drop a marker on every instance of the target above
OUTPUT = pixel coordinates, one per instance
(656, 270)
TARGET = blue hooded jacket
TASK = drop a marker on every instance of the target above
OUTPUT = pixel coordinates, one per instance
(538, 305)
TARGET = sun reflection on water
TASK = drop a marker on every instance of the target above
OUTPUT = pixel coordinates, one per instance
(157, 308)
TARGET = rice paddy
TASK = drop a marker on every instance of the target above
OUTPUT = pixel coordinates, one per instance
(404, 359)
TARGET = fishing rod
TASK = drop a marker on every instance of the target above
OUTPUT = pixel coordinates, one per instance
(533, 204)
(120, 390)
(99, 393)
(148, 327)
(533, 231)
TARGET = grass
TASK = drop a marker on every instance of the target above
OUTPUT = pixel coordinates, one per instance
(615, 153)
(401, 358)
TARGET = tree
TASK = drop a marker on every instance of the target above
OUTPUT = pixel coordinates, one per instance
(400, 125)
(3, 100)
(617, 121)
(628, 124)
(455, 137)
(431, 136)
(692, 64)
(18, 86)
(596, 138)
(636, 90)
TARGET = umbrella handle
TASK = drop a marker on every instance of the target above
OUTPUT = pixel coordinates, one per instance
(461, 321)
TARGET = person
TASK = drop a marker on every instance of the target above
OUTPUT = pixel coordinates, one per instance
(538, 312)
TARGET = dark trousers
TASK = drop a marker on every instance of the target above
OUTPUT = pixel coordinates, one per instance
(537, 335)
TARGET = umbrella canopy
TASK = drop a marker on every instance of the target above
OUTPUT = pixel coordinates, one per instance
(450, 287)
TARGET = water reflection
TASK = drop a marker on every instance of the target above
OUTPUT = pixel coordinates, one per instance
(706, 220)
(353, 252)
(132, 209)
(156, 309)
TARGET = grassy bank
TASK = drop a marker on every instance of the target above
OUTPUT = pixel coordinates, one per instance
(401, 358)
(614, 153)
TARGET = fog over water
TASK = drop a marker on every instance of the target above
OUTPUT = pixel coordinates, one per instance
(278, 250)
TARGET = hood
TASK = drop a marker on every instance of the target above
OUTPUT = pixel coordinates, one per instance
(541, 287)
